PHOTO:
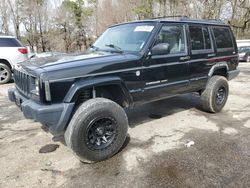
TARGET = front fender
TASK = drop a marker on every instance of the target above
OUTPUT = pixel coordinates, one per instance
(82, 85)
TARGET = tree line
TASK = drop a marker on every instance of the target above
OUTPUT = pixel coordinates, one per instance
(72, 25)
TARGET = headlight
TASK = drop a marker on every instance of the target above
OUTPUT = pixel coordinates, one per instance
(34, 89)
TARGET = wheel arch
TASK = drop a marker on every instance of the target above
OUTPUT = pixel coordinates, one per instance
(219, 69)
(6, 62)
(92, 84)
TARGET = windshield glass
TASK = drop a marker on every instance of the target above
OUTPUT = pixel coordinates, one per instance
(244, 49)
(128, 37)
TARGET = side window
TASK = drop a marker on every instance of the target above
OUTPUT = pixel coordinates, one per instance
(223, 37)
(174, 36)
(200, 38)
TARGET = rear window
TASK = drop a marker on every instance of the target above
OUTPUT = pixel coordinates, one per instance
(244, 49)
(223, 37)
(9, 42)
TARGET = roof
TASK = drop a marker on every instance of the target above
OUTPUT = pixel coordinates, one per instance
(5, 36)
(243, 40)
(179, 20)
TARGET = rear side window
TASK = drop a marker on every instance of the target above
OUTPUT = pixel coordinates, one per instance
(223, 38)
(9, 42)
(200, 38)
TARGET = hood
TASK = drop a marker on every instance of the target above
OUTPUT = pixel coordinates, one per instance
(66, 58)
(77, 65)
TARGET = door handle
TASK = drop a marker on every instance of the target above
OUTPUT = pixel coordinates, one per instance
(211, 55)
(185, 58)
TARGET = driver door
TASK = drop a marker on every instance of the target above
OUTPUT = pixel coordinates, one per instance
(167, 74)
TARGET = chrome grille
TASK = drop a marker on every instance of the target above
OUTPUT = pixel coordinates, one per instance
(22, 81)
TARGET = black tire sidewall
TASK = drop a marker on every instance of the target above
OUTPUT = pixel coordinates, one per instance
(78, 137)
(219, 83)
(9, 73)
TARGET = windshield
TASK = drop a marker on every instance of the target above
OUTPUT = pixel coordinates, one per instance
(244, 49)
(128, 37)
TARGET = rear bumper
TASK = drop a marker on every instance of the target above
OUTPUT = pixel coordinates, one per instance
(55, 116)
(233, 74)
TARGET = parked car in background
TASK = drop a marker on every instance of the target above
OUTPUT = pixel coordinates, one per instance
(46, 54)
(244, 53)
(12, 52)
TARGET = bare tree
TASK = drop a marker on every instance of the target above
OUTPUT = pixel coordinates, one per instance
(4, 11)
(67, 25)
(14, 11)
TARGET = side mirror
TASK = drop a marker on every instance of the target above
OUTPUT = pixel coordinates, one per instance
(160, 49)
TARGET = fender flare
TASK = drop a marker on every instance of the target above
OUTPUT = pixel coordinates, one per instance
(81, 85)
(9, 62)
(220, 65)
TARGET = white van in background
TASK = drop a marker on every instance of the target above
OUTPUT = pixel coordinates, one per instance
(243, 43)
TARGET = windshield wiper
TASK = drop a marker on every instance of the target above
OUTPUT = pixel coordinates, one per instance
(117, 48)
(94, 47)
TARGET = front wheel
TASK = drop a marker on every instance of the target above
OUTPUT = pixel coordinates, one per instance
(5, 74)
(97, 130)
(214, 97)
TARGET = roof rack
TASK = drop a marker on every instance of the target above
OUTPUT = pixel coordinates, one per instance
(186, 18)
(162, 17)
(202, 20)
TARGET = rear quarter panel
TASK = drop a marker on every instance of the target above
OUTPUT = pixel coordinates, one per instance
(12, 55)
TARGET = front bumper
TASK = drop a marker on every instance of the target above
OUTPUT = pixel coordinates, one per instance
(55, 116)
(233, 74)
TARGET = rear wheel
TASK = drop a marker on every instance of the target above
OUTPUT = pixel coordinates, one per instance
(5, 73)
(97, 130)
(214, 97)
(248, 58)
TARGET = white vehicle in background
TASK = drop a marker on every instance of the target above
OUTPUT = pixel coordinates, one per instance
(46, 54)
(241, 43)
(12, 52)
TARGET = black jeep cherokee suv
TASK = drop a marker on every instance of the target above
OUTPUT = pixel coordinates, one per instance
(84, 96)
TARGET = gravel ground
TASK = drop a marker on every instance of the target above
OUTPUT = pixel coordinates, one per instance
(154, 154)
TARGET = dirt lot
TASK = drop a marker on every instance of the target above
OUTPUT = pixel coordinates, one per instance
(154, 155)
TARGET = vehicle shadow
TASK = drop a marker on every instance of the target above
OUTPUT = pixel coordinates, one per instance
(151, 111)
(159, 109)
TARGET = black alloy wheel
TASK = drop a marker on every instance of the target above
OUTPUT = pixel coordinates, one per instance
(220, 95)
(101, 133)
(97, 130)
(4, 74)
(215, 96)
